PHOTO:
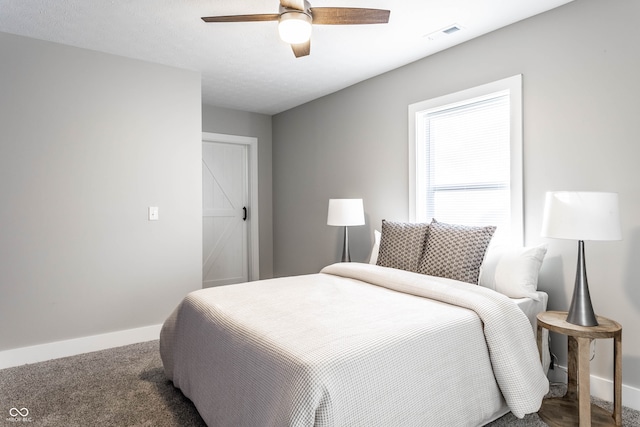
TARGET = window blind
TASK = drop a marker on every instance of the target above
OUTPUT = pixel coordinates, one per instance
(466, 153)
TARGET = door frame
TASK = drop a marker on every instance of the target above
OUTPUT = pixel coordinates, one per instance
(252, 155)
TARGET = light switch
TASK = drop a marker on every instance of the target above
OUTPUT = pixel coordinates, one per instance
(153, 213)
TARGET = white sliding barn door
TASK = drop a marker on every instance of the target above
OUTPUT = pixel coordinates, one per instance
(225, 215)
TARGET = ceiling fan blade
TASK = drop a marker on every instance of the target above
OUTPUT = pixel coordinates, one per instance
(302, 49)
(243, 18)
(292, 4)
(348, 16)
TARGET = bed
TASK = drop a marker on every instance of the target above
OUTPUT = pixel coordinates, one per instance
(356, 344)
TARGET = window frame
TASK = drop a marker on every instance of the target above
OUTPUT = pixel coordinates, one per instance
(514, 87)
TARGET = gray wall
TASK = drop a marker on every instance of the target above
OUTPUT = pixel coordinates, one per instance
(580, 66)
(87, 142)
(234, 122)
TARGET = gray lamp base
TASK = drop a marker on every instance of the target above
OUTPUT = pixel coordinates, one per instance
(346, 257)
(581, 311)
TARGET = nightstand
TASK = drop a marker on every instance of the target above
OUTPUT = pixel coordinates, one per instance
(575, 408)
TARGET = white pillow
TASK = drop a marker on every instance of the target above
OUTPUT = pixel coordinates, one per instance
(376, 247)
(512, 271)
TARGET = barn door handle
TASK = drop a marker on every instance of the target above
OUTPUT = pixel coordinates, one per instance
(244, 213)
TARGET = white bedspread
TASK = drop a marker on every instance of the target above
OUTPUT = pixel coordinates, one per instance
(357, 345)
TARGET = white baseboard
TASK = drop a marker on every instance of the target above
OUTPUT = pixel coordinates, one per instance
(601, 388)
(58, 349)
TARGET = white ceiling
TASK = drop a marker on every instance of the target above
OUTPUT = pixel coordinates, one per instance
(245, 66)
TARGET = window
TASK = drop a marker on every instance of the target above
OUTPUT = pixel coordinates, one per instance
(465, 153)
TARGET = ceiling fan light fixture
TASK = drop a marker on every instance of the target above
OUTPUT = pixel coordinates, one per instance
(295, 27)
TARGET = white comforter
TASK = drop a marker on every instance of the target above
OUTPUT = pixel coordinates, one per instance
(356, 345)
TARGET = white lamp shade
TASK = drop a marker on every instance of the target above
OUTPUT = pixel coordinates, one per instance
(345, 212)
(581, 215)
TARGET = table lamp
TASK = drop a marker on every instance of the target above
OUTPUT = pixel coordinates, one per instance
(345, 212)
(581, 215)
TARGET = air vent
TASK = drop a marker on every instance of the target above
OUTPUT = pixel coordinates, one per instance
(446, 31)
(451, 30)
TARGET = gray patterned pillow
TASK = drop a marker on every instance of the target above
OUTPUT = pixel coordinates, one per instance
(402, 244)
(455, 251)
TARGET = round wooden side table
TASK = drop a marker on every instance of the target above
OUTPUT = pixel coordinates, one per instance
(575, 408)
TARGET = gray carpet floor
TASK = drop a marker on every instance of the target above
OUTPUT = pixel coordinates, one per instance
(126, 386)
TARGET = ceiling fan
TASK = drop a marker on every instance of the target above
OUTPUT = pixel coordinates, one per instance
(296, 16)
